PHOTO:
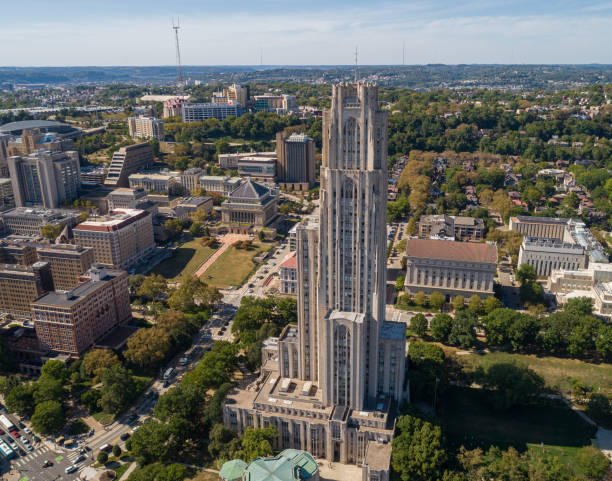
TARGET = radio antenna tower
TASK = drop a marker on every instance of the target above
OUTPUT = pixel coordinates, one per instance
(356, 67)
(179, 70)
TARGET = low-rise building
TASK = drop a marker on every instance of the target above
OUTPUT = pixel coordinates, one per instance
(546, 255)
(288, 275)
(185, 207)
(120, 239)
(28, 221)
(190, 178)
(126, 198)
(449, 267)
(259, 167)
(459, 228)
(165, 182)
(21, 285)
(250, 205)
(220, 184)
(95, 175)
(540, 227)
(71, 322)
(201, 112)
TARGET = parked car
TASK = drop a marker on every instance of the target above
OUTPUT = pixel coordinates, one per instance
(47, 464)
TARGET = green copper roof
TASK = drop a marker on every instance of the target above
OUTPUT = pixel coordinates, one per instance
(232, 470)
(290, 465)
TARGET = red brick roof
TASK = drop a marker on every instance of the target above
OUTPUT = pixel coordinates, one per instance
(451, 250)
(290, 261)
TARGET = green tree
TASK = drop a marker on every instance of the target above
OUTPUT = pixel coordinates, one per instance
(20, 399)
(173, 228)
(6, 357)
(191, 293)
(526, 274)
(475, 304)
(221, 439)
(420, 299)
(418, 323)
(511, 384)
(116, 450)
(458, 302)
(463, 330)
(598, 406)
(196, 229)
(91, 398)
(48, 389)
(151, 443)
(593, 463)
(436, 300)
(603, 341)
(97, 361)
(55, 369)
(257, 442)
(51, 231)
(148, 347)
(441, 326)
(102, 457)
(48, 417)
(411, 228)
(418, 452)
(153, 287)
(491, 303)
(118, 389)
(426, 370)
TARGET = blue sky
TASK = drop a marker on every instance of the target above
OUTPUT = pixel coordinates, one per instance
(137, 32)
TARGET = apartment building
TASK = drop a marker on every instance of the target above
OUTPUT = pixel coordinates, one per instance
(21, 285)
(71, 322)
(185, 207)
(28, 221)
(296, 161)
(146, 128)
(45, 178)
(128, 160)
(120, 239)
(450, 267)
(68, 262)
(201, 112)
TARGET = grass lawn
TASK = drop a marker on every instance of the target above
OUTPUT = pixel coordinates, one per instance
(204, 476)
(103, 418)
(554, 370)
(469, 419)
(121, 469)
(233, 266)
(186, 260)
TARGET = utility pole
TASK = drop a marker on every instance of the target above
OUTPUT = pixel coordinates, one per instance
(179, 70)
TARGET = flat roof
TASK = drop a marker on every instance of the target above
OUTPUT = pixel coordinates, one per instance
(116, 219)
(539, 220)
(451, 250)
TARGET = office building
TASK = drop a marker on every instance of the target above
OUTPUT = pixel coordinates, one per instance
(332, 387)
(45, 178)
(71, 322)
(190, 178)
(540, 227)
(231, 161)
(120, 239)
(146, 128)
(450, 226)
(296, 161)
(125, 198)
(94, 175)
(250, 205)
(7, 199)
(28, 221)
(546, 255)
(258, 167)
(162, 182)
(449, 267)
(288, 275)
(67, 261)
(220, 184)
(201, 112)
(129, 160)
(281, 104)
(21, 285)
(4, 140)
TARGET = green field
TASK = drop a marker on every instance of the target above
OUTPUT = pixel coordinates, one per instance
(186, 260)
(554, 370)
(233, 266)
(469, 420)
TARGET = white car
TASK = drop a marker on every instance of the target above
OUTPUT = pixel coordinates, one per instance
(27, 430)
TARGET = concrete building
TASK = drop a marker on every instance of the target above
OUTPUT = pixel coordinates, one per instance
(121, 239)
(546, 255)
(288, 275)
(259, 167)
(173, 107)
(332, 388)
(45, 178)
(21, 285)
(230, 161)
(95, 175)
(452, 268)
(68, 262)
(296, 161)
(129, 160)
(4, 140)
(71, 322)
(28, 221)
(146, 128)
(164, 182)
(250, 205)
(201, 112)
(33, 140)
(289, 465)
(190, 178)
(234, 94)
(7, 199)
(541, 227)
(125, 198)
(185, 207)
(12, 252)
(220, 184)
(459, 228)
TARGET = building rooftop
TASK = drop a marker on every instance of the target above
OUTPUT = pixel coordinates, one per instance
(194, 201)
(232, 470)
(115, 220)
(378, 455)
(289, 465)
(249, 190)
(539, 220)
(47, 214)
(451, 250)
(290, 261)
(17, 128)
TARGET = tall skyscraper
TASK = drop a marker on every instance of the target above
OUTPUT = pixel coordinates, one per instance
(296, 160)
(338, 374)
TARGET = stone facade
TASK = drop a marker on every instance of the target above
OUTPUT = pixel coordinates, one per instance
(250, 205)
(546, 255)
(461, 228)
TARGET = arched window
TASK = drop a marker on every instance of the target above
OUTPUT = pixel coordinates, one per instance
(351, 134)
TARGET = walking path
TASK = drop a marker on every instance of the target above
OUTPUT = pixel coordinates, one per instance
(226, 241)
(128, 471)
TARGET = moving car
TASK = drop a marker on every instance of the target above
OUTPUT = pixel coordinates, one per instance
(71, 469)
(124, 436)
(47, 464)
(79, 459)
